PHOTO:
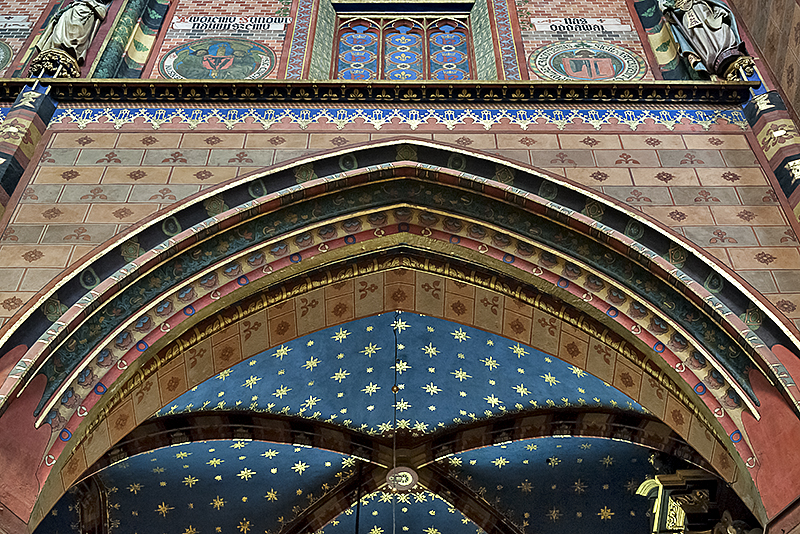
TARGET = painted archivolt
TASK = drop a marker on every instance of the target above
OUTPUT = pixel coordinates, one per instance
(238, 260)
(89, 278)
(256, 267)
(66, 359)
(412, 117)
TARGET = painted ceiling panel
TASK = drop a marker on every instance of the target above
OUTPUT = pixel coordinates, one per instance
(215, 486)
(413, 513)
(446, 373)
(544, 483)
(64, 518)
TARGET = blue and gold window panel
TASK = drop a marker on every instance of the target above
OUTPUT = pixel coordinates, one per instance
(407, 48)
(404, 56)
(449, 52)
(358, 51)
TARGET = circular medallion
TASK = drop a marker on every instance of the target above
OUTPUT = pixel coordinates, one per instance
(586, 60)
(218, 59)
(401, 479)
(5, 55)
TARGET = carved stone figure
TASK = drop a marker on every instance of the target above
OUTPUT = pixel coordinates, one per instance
(67, 37)
(706, 32)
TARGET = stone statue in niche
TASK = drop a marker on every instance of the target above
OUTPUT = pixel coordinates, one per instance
(707, 34)
(67, 37)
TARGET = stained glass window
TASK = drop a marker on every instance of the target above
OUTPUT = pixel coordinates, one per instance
(417, 48)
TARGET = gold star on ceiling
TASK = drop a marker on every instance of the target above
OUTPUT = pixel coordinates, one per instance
(400, 325)
(371, 388)
(492, 400)
(340, 375)
(370, 349)
(250, 382)
(281, 391)
(190, 481)
(522, 390)
(491, 363)
(550, 379)
(461, 375)
(459, 335)
(430, 350)
(299, 467)
(518, 350)
(310, 402)
(500, 462)
(341, 335)
(431, 388)
(163, 509)
(218, 502)
(401, 366)
(605, 513)
(246, 474)
(281, 352)
(580, 373)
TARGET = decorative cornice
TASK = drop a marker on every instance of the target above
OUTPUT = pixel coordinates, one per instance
(133, 92)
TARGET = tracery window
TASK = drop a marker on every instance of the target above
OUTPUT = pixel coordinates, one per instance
(415, 48)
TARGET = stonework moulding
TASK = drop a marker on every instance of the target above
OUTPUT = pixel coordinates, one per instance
(336, 92)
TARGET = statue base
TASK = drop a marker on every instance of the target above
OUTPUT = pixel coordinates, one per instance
(55, 63)
(745, 63)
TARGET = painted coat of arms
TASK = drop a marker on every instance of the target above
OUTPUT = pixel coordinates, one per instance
(5, 55)
(586, 60)
(218, 59)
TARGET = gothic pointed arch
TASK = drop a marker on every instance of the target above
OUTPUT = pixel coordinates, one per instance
(550, 254)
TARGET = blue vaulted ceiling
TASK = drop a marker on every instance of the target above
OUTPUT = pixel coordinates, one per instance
(254, 487)
(447, 374)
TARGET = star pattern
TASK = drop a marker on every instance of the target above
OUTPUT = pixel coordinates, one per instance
(458, 376)
(569, 481)
(419, 513)
(443, 377)
(261, 487)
